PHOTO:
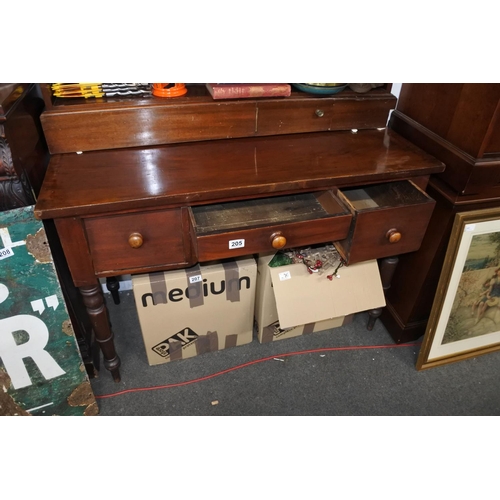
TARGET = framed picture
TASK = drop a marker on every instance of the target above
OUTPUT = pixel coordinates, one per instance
(465, 316)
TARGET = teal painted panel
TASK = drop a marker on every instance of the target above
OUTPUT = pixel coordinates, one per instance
(41, 369)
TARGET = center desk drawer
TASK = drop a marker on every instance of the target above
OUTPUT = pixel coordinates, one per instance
(139, 241)
(388, 219)
(261, 225)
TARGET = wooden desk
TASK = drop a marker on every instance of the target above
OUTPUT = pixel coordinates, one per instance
(100, 199)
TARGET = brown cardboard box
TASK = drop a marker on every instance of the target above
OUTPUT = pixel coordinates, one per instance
(205, 308)
(288, 297)
(266, 312)
(274, 331)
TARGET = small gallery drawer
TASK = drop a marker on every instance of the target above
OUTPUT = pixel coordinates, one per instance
(388, 219)
(261, 225)
(321, 114)
(94, 128)
(138, 241)
(315, 115)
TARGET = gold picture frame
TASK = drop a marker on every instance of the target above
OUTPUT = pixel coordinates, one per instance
(465, 315)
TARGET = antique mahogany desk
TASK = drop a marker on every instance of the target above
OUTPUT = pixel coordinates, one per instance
(156, 184)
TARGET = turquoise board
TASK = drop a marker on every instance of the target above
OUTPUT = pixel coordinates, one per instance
(41, 369)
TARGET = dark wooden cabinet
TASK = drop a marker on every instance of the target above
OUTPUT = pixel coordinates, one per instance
(23, 152)
(460, 125)
(152, 177)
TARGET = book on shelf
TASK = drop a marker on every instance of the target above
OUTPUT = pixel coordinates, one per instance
(248, 90)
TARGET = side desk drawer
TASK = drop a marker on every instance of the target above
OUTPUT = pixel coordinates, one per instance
(138, 241)
(388, 219)
(261, 225)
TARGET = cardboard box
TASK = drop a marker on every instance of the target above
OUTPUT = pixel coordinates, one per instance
(274, 331)
(294, 298)
(191, 311)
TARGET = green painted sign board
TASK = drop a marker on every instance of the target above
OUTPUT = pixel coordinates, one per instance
(41, 369)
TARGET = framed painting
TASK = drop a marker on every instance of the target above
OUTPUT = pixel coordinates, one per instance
(465, 315)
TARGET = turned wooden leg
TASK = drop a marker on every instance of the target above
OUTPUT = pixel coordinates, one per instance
(98, 314)
(373, 314)
(387, 267)
(113, 285)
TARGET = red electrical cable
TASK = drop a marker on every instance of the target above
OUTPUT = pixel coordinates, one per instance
(249, 363)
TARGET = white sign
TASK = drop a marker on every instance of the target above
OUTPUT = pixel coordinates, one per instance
(6, 252)
(236, 244)
(285, 276)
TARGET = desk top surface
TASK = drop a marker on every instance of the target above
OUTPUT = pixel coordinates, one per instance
(108, 181)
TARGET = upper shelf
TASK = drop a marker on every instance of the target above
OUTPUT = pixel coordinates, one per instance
(73, 125)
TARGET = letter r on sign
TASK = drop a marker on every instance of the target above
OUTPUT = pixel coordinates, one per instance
(13, 354)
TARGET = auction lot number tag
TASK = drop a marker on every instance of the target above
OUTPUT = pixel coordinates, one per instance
(285, 275)
(236, 244)
(6, 252)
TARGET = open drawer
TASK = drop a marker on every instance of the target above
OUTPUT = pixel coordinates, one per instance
(239, 228)
(387, 219)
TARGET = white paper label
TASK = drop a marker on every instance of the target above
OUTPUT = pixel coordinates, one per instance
(285, 275)
(236, 244)
(6, 252)
(195, 279)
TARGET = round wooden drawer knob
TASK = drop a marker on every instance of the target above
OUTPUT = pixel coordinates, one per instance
(393, 235)
(135, 240)
(278, 240)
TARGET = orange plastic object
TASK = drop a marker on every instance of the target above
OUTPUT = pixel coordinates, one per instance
(169, 89)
